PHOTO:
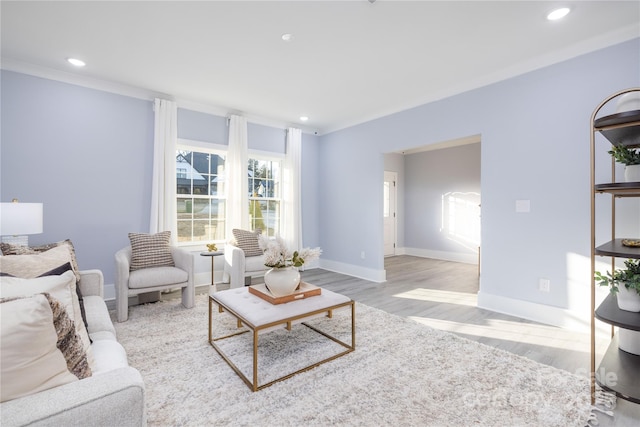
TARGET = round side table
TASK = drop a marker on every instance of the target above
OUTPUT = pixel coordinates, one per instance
(212, 255)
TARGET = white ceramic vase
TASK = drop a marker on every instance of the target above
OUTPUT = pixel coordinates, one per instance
(629, 341)
(282, 281)
(632, 173)
(628, 299)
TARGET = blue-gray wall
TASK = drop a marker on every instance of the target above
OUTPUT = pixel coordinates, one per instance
(87, 155)
(431, 176)
(535, 146)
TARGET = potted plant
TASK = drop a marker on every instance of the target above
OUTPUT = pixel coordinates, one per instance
(625, 283)
(630, 157)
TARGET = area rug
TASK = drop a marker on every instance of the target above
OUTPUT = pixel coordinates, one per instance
(402, 373)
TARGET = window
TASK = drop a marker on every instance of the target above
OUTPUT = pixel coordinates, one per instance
(265, 196)
(200, 195)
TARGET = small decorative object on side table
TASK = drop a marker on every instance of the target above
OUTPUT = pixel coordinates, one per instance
(212, 254)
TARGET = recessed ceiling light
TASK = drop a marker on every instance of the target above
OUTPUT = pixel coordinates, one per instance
(304, 118)
(560, 13)
(287, 37)
(76, 62)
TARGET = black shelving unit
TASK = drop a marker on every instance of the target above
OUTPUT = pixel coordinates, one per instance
(620, 128)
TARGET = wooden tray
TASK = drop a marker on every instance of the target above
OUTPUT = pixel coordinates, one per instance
(305, 290)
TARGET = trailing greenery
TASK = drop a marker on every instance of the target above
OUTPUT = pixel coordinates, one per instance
(629, 277)
(625, 155)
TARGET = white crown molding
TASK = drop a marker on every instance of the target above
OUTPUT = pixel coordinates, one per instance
(583, 47)
(11, 64)
(17, 66)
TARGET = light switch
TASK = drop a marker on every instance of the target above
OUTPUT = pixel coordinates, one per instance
(523, 206)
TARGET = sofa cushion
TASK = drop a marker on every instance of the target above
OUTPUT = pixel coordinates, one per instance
(100, 325)
(60, 287)
(248, 241)
(30, 358)
(109, 355)
(150, 250)
(159, 276)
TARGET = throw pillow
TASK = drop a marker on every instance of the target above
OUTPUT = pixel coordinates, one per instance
(150, 250)
(248, 241)
(60, 287)
(55, 261)
(40, 261)
(9, 249)
(69, 342)
(30, 359)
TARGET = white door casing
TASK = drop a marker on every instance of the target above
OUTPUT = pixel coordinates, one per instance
(389, 213)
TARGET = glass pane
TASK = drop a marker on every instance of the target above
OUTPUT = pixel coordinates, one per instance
(184, 231)
(184, 207)
(200, 174)
(265, 215)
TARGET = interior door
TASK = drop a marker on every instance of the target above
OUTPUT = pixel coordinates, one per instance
(389, 214)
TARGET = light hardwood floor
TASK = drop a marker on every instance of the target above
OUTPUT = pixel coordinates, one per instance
(443, 295)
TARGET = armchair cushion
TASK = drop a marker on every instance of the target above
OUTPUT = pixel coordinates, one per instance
(150, 250)
(248, 241)
(159, 276)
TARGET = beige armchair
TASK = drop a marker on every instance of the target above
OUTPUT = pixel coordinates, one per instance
(131, 283)
(239, 269)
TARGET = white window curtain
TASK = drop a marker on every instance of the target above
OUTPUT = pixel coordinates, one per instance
(236, 176)
(163, 190)
(292, 211)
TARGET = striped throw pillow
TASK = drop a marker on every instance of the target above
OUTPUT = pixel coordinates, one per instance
(150, 250)
(248, 241)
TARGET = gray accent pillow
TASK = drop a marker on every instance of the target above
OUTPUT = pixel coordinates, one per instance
(248, 241)
(150, 250)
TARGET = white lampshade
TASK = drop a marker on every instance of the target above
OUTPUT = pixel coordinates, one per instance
(17, 219)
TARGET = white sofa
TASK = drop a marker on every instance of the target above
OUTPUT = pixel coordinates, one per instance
(113, 396)
(238, 269)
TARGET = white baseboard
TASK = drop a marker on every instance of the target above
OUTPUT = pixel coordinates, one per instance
(443, 255)
(109, 291)
(378, 276)
(549, 315)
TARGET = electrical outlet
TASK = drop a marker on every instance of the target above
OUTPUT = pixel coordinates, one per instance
(362, 254)
(544, 285)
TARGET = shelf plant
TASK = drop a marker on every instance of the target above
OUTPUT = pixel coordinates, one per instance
(629, 277)
(630, 158)
(625, 155)
(625, 283)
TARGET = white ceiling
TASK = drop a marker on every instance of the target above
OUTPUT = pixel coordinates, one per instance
(348, 61)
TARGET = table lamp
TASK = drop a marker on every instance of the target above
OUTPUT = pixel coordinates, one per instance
(17, 220)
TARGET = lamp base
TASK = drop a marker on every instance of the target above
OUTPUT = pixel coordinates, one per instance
(16, 240)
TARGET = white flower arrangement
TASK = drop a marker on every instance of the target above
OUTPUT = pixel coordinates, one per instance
(276, 254)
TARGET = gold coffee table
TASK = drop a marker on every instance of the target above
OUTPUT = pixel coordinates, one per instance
(260, 316)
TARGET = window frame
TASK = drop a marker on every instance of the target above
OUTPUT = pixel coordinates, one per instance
(210, 149)
(270, 157)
